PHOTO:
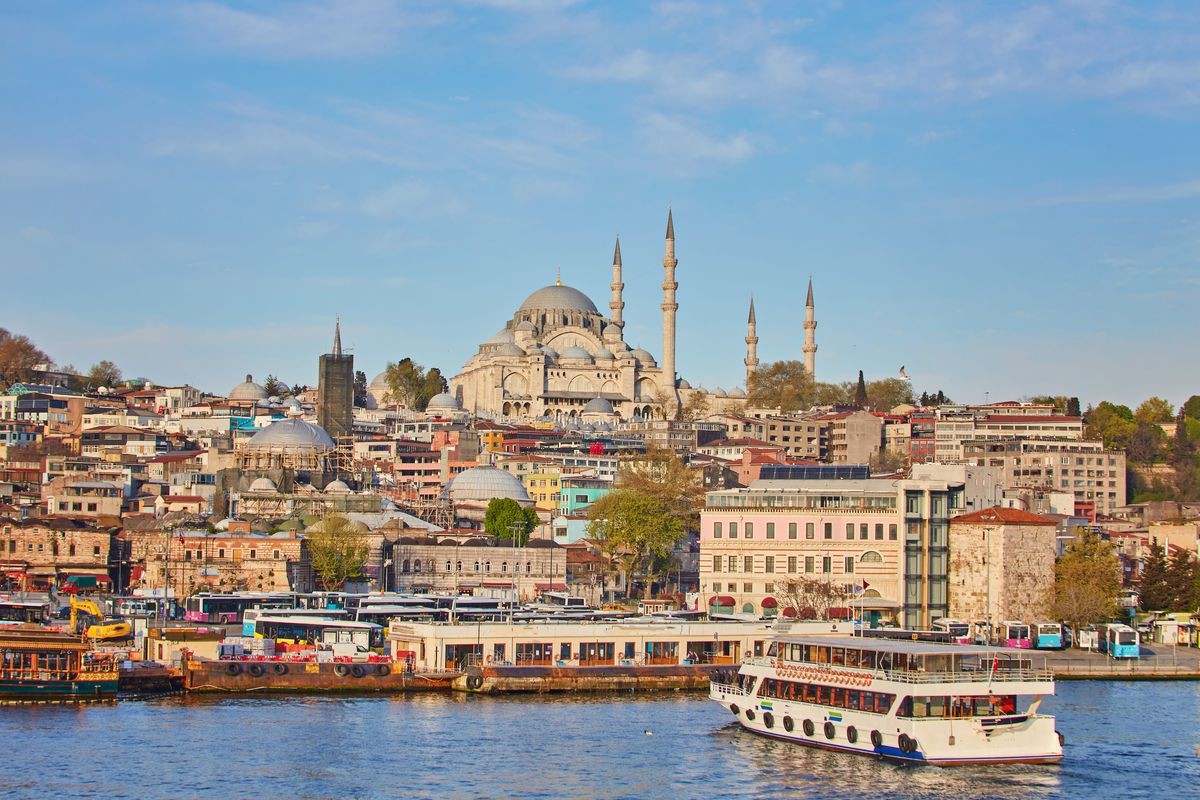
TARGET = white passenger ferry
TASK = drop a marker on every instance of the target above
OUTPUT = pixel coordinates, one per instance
(907, 701)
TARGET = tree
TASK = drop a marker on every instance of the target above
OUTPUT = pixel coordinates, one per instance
(637, 528)
(274, 387)
(860, 391)
(830, 394)
(696, 406)
(888, 461)
(886, 394)
(1154, 410)
(1154, 593)
(1183, 460)
(1087, 582)
(1181, 581)
(1146, 443)
(104, 373)
(18, 356)
(1073, 407)
(337, 551)
(1111, 423)
(1191, 407)
(1058, 401)
(298, 389)
(661, 474)
(360, 388)
(934, 400)
(780, 384)
(505, 518)
(411, 385)
(811, 598)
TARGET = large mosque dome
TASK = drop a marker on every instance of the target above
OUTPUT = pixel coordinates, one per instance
(558, 298)
(294, 433)
(248, 390)
(482, 484)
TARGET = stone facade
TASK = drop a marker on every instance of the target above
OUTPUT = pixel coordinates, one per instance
(1001, 565)
(198, 560)
(335, 390)
(39, 553)
(474, 564)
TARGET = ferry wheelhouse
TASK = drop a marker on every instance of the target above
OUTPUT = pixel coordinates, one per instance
(41, 664)
(911, 702)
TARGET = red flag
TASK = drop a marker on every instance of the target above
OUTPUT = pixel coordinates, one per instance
(181, 541)
(866, 586)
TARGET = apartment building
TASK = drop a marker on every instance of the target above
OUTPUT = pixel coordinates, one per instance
(1094, 475)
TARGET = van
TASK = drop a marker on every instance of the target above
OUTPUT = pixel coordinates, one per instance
(355, 652)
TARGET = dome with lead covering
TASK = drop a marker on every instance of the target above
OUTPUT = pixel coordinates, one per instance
(248, 390)
(485, 483)
(643, 356)
(575, 351)
(293, 432)
(263, 484)
(443, 402)
(337, 487)
(558, 298)
(598, 405)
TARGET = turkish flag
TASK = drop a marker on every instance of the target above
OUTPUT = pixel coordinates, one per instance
(866, 586)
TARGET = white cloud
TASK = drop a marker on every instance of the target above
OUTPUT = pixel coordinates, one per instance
(1181, 190)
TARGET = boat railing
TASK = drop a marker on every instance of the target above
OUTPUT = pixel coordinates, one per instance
(981, 675)
(728, 688)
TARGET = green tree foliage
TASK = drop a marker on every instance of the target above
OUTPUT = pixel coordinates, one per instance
(1183, 458)
(18, 356)
(411, 385)
(337, 550)
(1073, 407)
(1154, 410)
(298, 389)
(781, 384)
(274, 387)
(860, 391)
(1191, 407)
(638, 529)
(360, 388)
(506, 519)
(1087, 582)
(1113, 424)
(934, 400)
(1058, 401)
(1154, 593)
(661, 474)
(1182, 576)
(104, 373)
(886, 394)
(830, 394)
(1146, 444)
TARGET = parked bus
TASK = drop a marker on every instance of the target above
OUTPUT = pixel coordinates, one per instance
(1013, 633)
(307, 630)
(250, 615)
(17, 611)
(227, 609)
(959, 631)
(942, 637)
(1049, 636)
(1118, 640)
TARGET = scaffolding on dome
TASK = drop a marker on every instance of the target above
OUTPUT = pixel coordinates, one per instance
(337, 460)
(432, 510)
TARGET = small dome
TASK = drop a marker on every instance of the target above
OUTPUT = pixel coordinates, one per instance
(598, 405)
(683, 384)
(524, 325)
(558, 298)
(248, 390)
(443, 402)
(549, 352)
(356, 525)
(337, 487)
(502, 336)
(484, 483)
(291, 402)
(737, 392)
(643, 356)
(293, 432)
(604, 353)
(575, 351)
(508, 349)
(263, 484)
(380, 381)
(719, 392)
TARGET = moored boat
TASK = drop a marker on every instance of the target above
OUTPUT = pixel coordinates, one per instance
(45, 665)
(912, 702)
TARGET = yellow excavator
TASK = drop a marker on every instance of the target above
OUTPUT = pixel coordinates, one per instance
(103, 629)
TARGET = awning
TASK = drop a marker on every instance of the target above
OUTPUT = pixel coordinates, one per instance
(135, 573)
(789, 612)
(550, 587)
(14, 574)
(722, 600)
(770, 602)
(82, 581)
(43, 571)
(840, 613)
(497, 584)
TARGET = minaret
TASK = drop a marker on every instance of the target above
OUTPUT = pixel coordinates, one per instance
(337, 335)
(335, 389)
(751, 361)
(669, 307)
(616, 304)
(810, 335)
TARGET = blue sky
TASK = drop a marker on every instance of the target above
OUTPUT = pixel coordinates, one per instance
(1002, 197)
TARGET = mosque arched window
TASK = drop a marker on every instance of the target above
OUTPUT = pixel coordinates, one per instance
(504, 566)
(417, 565)
(449, 566)
(458, 566)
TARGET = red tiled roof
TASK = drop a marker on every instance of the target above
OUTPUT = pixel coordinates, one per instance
(1003, 516)
(183, 498)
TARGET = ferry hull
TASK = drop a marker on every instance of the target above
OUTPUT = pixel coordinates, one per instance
(65, 691)
(946, 743)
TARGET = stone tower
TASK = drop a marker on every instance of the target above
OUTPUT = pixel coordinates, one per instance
(810, 334)
(669, 307)
(616, 305)
(335, 389)
(751, 361)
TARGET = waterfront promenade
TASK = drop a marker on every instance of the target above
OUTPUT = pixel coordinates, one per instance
(1157, 662)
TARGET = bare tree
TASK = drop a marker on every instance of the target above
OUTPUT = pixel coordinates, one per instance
(812, 597)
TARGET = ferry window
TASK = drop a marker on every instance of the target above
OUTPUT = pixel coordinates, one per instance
(810, 530)
(770, 530)
(878, 531)
(838, 655)
(823, 693)
(837, 697)
(822, 655)
(807, 652)
(795, 652)
(852, 698)
(791, 530)
(852, 658)
(773, 650)
(716, 530)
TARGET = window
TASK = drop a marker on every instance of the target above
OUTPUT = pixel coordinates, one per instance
(769, 588)
(810, 530)
(748, 530)
(220, 552)
(828, 530)
(769, 565)
(827, 564)
(849, 565)
(747, 587)
(254, 554)
(864, 531)
(792, 564)
(91, 506)
(716, 562)
(716, 586)
(892, 532)
(733, 530)
(870, 557)
(791, 530)
(71, 550)
(770, 530)
(747, 564)
(275, 554)
(732, 564)
(809, 564)
(716, 530)
(879, 531)
(849, 531)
